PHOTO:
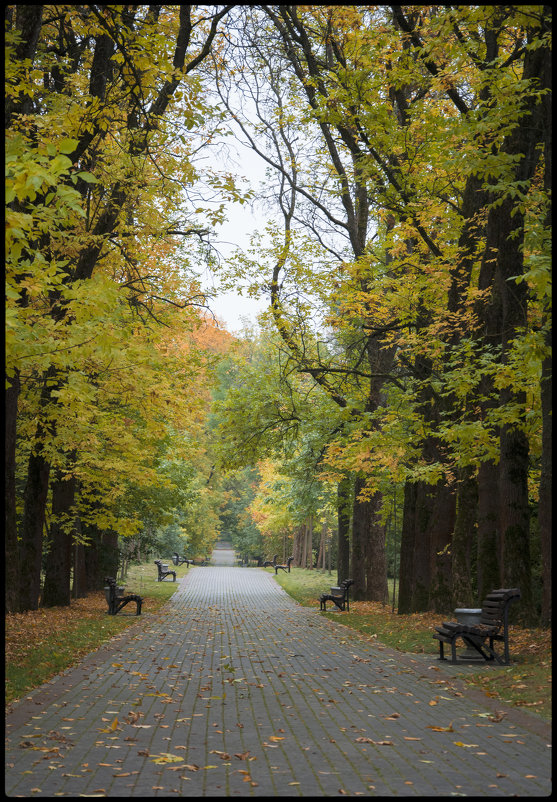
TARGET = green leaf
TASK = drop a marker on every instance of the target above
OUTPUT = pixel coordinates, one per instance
(88, 177)
(67, 145)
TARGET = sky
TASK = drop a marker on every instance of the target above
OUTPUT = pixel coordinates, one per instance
(232, 308)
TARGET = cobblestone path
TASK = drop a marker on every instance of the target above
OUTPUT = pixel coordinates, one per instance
(236, 690)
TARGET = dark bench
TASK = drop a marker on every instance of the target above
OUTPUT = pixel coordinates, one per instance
(177, 560)
(286, 567)
(339, 595)
(116, 600)
(164, 573)
(269, 564)
(493, 626)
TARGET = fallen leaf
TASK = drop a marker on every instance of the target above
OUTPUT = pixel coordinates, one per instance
(459, 743)
(441, 729)
(166, 757)
(363, 740)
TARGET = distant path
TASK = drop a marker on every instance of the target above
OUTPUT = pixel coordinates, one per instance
(223, 554)
(243, 692)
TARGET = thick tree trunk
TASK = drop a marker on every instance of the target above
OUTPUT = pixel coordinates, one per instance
(79, 589)
(514, 520)
(463, 562)
(415, 563)
(359, 544)
(487, 560)
(343, 508)
(11, 551)
(546, 492)
(407, 549)
(31, 535)
(369, 562)
(376, 564)
(440, 535)
(56, 591)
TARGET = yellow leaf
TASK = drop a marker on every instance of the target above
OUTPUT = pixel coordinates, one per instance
(276, 738)
(166, 757)
(441, 729)
(459, 743)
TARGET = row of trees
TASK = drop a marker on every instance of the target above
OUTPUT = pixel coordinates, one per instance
(110, 348)
(405, 359)
(410, 284)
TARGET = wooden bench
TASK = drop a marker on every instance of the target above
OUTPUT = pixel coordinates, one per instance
(340, 596)
(163, 571)
(493, 626)
(177, 560)
(269, 564)
(116, 600)
(286, 567)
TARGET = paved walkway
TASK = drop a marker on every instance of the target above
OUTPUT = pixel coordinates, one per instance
(236, 690)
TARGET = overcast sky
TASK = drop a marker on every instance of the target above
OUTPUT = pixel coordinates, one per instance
(243, 220)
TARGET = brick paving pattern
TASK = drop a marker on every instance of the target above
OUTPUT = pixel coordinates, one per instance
(236, 690)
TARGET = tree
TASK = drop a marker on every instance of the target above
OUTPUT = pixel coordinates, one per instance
(87, 93)
(420, 118)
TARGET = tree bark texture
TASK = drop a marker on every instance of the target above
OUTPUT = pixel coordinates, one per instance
(56, 590)
(343, 517)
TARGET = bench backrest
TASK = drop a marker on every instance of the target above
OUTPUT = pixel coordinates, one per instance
(344, 586)
(112, 589)
(495, 607)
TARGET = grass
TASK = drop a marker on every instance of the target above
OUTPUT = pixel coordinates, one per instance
(526, 683)
(40, 644)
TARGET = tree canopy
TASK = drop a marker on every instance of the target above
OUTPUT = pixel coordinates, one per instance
(405, 354)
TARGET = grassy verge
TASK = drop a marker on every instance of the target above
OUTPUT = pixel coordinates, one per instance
(526, 683)
(43, 643)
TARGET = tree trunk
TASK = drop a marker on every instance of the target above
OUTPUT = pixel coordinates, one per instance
(440, 535)
(359, 544)
(305, 546)
(514, 519)
(11, 551)
(415, 564)
(407, 549)
(546, 491)
(79, 589)
(101, 556)
(31, 535)
(464, 542)
(343, 535)
(369, 562)
(56, 591)
(299, 536)
(320, 553)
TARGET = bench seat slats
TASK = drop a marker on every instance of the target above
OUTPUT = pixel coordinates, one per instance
(340, 596)
(493, 626)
